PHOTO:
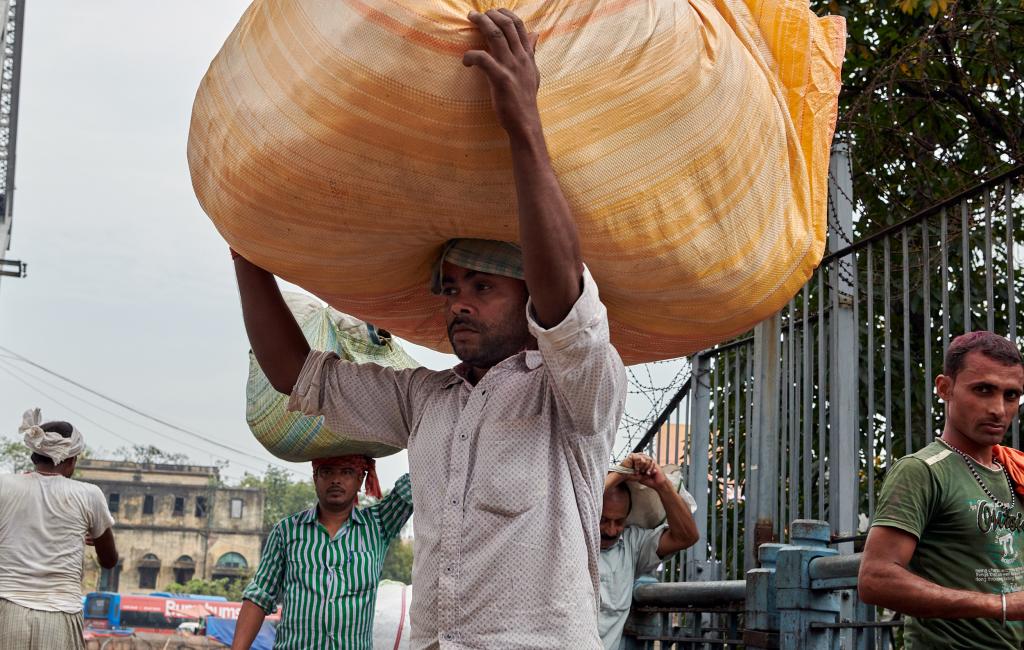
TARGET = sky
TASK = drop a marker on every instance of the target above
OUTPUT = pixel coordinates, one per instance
(130, 290)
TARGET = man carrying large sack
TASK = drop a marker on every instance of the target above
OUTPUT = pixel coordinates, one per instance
(46, 520)
(508, 450)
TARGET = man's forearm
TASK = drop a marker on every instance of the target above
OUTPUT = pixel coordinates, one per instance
(552, 263)
(899, 589)
(250, 619)
(611, 479)
(275, 337)
(682, 529)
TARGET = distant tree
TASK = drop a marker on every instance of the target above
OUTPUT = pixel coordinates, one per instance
(14, 456)
(282, 495)
(398, 562)
(228, 588)
(149, 454)
(932, 98)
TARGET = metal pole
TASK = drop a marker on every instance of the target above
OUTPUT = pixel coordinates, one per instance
(843, 430)
(763, 476)
(13, 18)
(700, 444)
(929, 333)
(1011, 293)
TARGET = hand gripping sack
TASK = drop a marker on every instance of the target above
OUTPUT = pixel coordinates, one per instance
(296, 437)
(646, 510)
(339, 143)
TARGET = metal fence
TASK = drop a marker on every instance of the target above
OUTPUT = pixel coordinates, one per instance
(795, 600)
(802, 417)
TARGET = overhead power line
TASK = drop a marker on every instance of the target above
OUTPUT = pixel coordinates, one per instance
(5, 368)
(132, 409)
(21, 380)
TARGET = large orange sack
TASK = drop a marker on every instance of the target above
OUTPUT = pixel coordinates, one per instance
(339, 143)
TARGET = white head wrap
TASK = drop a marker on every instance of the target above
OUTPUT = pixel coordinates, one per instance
(49, 443)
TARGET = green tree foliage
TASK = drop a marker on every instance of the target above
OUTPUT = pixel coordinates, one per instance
(398, 562)
(149, 454)
(282, 495)
(14, 456)
(227, 587)
(932, 98)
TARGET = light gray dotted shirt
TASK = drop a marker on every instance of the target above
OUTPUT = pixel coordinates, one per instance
(508, 479)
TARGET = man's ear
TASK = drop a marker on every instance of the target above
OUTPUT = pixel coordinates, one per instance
(944, 387)
(68, 465)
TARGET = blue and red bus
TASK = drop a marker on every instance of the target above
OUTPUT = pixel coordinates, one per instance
(104, 610)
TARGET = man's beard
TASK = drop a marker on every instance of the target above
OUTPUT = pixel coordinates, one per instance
(495, 345)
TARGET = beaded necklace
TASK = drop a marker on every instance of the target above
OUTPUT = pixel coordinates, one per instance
(970, 465)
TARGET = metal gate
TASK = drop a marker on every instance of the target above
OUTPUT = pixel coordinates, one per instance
(802, 417)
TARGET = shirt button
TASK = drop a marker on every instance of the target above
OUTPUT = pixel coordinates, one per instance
(455, 502)
(448, 569)
(463, 436)
(448, 637)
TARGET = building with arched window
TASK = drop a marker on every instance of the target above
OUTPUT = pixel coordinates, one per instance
(173, 523)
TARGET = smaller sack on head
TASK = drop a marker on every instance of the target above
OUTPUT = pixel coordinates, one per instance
(647, 511)
(297, 437)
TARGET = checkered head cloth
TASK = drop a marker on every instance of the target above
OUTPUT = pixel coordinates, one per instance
(483, 255)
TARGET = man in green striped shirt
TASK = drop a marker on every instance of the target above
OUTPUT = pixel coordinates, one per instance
(323, 564)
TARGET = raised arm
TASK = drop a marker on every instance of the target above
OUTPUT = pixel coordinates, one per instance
(552, 263)
(885, 579)
(396, 508)
(682, 529)
(275, 337)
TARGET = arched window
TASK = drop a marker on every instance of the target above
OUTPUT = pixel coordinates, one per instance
(149, 568)
(231, 565)
(232, 561)
(184, 569)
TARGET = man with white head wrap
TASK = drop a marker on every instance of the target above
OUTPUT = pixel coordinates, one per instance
(45, 520)
(638, 497)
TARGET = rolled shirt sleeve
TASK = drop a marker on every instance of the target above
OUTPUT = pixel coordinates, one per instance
(265, 585)
(363, 401)
(585, 369)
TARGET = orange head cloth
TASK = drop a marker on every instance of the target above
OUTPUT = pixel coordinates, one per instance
(359, 462)
(1013, 461)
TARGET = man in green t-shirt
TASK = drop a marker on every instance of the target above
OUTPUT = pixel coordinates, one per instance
(946, 546)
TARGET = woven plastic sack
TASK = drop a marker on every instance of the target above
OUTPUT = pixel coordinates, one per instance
(339, 143)
(296, 437)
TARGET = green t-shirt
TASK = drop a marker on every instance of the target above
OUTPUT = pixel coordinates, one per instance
(963, 542)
